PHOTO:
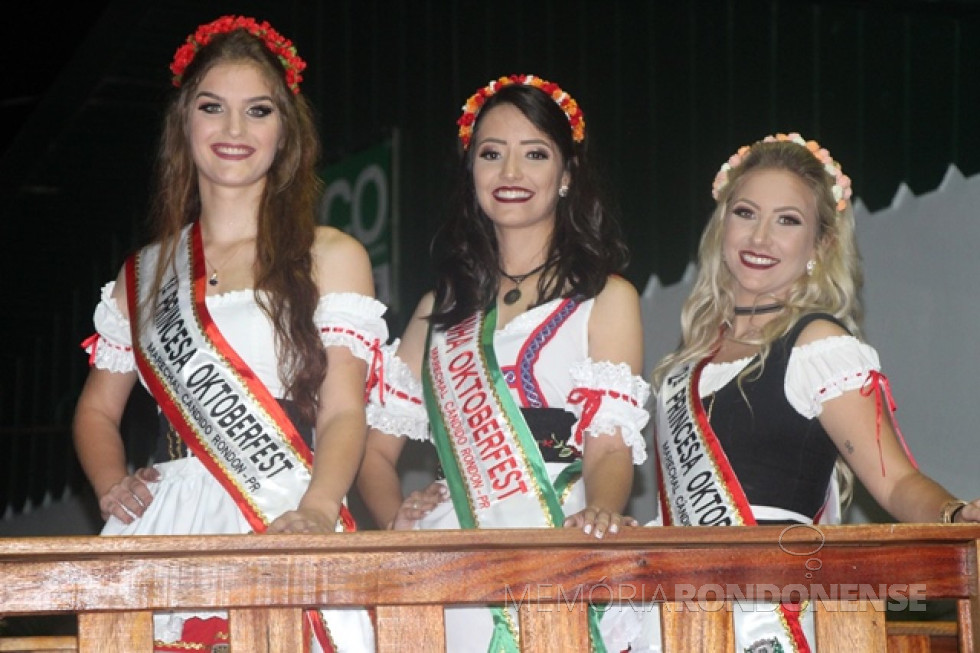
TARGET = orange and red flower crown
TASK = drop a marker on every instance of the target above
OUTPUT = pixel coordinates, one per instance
(471, 109)
(842, 183)
(276, 42)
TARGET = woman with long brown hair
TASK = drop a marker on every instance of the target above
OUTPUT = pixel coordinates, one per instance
(251, 327)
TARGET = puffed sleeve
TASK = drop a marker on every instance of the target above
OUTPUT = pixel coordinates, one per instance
(606, 396)
(395, 405)
(354, 321)
(111, 346)
(825, 369)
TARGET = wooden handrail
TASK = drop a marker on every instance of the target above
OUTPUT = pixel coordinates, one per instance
(113, 583)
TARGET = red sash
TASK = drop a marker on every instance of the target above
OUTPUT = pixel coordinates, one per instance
(216, 404)
(698, 486)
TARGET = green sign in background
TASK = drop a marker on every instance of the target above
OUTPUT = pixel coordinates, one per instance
(360, 198)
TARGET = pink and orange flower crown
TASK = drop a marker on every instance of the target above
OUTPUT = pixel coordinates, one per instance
(842, 183)
(471, 109)
(276, 42)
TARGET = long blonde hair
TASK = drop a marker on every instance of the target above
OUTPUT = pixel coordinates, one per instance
(833, 287)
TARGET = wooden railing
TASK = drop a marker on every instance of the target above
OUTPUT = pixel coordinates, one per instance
(114, 583)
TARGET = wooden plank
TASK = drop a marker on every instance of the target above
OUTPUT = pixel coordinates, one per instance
(558, 627)
(686, 628)
(851, 626)
(930, 636)
(406, 628)
(115, 632)
(909, 644)
(114, 583)
(969, 613)
(667, 537)
(932, 628)
(966, 617)
(40, 644)
(232, 571)
(266, 630)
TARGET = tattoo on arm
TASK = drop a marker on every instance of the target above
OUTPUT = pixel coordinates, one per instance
(849, 446)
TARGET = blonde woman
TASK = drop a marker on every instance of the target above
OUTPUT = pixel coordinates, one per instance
(772, 384)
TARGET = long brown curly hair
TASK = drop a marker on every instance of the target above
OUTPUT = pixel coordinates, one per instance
(284, 284)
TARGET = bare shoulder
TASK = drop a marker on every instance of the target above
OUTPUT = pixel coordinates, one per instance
(331, 243)
(119, 292)
(618, 291)
(418, 326)
(412, 345)
(616, 324)
(340, 263)
(424, 307)
(820, 329)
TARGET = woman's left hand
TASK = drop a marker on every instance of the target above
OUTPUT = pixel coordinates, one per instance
(598, 522)
(303, 520)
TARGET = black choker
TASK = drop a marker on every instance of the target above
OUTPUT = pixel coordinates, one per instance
(513, 295)
(759, 310)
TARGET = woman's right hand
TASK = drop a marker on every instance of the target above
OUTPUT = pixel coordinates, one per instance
(127, 500)
(418, 504)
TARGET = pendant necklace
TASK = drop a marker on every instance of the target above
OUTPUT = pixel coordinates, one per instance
(213, 279)
(513, 295)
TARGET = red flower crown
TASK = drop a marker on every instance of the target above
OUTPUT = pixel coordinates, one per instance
(276, 42)
(476, 101)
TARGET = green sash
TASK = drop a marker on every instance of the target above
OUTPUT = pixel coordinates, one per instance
(496, 475)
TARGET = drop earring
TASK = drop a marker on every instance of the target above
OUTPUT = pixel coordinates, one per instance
(563, 191)
(810, 266)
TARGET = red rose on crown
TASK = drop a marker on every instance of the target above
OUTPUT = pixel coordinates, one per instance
(279, 45)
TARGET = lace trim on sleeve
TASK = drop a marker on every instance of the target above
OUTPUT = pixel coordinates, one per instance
(397, 408)
(356, 322)
(607, 397)
(110, 347)
(352, 320)
(825, 369)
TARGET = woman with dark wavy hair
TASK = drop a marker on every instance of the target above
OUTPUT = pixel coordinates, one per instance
(251, 327)
(521, 367)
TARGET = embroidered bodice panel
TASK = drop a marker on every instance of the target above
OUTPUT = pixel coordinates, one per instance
(544, 356)
(536, 349)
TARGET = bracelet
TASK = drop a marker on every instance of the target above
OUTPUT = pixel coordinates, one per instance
(950, 509)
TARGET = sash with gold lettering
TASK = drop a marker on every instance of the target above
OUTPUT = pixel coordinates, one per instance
(698, 487)
(217, 405)
(495, 472)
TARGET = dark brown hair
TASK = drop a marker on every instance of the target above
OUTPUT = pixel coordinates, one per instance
(586, 245)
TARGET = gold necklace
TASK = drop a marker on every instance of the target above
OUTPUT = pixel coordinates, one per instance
(213, 279)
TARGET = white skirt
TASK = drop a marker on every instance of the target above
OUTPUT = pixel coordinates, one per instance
(189, 500)
(470, 629)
